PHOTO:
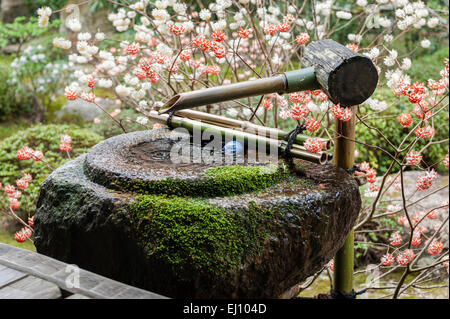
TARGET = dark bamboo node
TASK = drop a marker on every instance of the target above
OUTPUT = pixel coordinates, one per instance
(347, 77)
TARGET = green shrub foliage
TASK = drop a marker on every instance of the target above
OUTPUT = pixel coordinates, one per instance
(45, 138)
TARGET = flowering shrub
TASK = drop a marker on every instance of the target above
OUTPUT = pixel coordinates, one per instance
(29, 156)
(45, 76)
(11, 102)
(168, 47)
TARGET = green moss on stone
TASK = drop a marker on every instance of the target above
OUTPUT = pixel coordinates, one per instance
(192, 236)
(217, 181)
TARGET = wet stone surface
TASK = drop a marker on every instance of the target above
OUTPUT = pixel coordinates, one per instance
(203, 230)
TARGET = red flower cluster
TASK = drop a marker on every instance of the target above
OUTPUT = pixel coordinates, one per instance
(177, 29)
(244, 34)
(421, 110)
(20, 237)
(26, 153)
(70, 94)
(312, 124)
(405, 119)
(396, 239)
(374, 187)
(425, 181)
(415, 92)
(207, 46)
(341, 113)
(88, 97)
(425, 132)
(387, 260)
(145, 64)
(401, 220)
(283, 27)
(271, 29)
(161, 59)
(31, 221)
(66, 143)
(23, 234)
(9, 189)
(90, 82)
(403, 258)
(139, 73)
(21, 183)
(202, 43)
(313, 145)
(133, 49)
(302, 38)
(211, 69)
(298, 111)
(364, 166)
(413, 158)
(267, 103)
(185, 55)
(352, 46)
(416, 240)
(220, 52)
(300, 97)
(331, 265)
(370, 173)
(218, 35)
(432, 214)
(435, 247)
(446, 160)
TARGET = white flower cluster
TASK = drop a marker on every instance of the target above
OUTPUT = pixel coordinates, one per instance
(376, 105)
(344, 15)
(239, 19)
(425, 43)
(412, 14)
(62, 43)
(47, 79)
(391, 58)
(396, 77)
(44, 14)
(73, 24)
(356, 38)
(373, 53)
(120, 20)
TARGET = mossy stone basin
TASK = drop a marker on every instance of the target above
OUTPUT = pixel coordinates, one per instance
(194, 230)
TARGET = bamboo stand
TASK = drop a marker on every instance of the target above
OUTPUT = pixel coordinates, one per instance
(344, 157)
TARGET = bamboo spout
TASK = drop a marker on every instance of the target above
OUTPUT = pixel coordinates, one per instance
(305, 80)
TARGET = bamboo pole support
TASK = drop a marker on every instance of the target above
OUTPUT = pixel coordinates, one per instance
(344, 157)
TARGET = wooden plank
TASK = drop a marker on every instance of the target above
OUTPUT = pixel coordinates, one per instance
(8, 276)
(54, 271)
(30, 288)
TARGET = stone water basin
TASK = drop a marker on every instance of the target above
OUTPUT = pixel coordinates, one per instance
(194, 230)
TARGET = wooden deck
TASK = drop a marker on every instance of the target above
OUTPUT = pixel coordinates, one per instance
(28, 275)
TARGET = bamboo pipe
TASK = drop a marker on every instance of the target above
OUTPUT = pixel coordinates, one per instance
(344, 149)
(305, 80)
(320, 158)
(245, 125)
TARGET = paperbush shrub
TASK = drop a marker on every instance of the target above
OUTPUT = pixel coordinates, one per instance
(10, 102)
(45, 138)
